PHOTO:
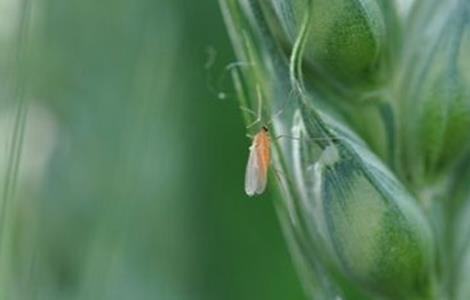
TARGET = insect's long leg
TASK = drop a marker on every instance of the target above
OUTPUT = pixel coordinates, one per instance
(258, 118)
(278, 172)
(279, 112)
(253, 123)
(309, 139)
(259, 112)
(250, 111)
(284, 106)
(281, 176)
(287, 136)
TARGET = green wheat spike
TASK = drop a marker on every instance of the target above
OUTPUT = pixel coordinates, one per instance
(372, 189)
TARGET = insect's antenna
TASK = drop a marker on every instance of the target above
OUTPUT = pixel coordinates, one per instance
(215, 85)
(212, 86)
(238, 64)
(231, 67)
(260, 101)
(260, 107)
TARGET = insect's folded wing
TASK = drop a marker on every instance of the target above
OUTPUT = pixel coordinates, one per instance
(254, 183)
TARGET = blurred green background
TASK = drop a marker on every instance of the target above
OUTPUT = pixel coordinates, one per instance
(121, 169)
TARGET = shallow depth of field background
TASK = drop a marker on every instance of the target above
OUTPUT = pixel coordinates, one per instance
(121, 172)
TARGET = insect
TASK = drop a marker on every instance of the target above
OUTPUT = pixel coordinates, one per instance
(259, 159)
(256, 175)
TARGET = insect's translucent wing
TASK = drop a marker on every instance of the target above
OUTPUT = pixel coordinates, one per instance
(255, 176)
(252, 172)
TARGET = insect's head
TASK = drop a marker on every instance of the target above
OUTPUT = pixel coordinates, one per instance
(265, 128)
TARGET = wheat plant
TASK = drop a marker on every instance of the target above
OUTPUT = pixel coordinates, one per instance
(368, 104)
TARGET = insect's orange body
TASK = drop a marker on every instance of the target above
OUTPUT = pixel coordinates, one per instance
(258, 163)
(262, 144)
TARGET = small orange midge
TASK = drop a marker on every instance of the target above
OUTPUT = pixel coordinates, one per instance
(259, 160)
(256, 175)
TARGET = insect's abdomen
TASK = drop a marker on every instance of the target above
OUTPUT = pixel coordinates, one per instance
(263, 145)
